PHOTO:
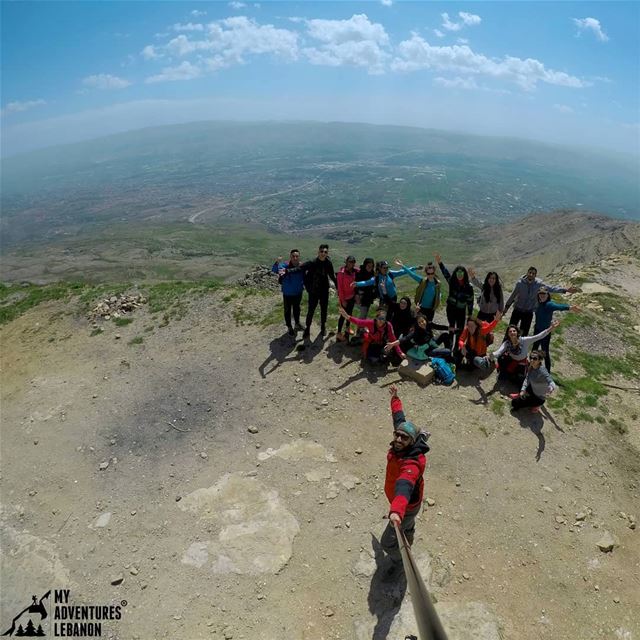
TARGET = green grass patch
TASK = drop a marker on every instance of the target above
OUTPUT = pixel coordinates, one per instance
(136, 340)
(122, 322)
(18, 299)
(96, 332)
(582, 416)
(619, 426)
(497, 406)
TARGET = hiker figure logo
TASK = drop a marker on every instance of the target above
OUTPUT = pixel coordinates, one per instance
(26, 627)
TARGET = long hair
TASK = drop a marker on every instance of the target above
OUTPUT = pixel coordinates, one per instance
(497, 287)
(453, 280)
(366, 261)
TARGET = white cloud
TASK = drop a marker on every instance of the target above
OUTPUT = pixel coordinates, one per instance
(150, 53)
(563, 108)
(18, 106)
(182, 46)
(456, 83)
(198, 14)
(105, 81)
(467, 20)
(353, 42)
(183, 71)
(416, 54)
(593, 25)
(237, 5)
(190, 26)
(438, 33)
(386, 3)
(462, 41)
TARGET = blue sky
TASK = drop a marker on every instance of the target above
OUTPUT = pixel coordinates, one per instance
(561, 72)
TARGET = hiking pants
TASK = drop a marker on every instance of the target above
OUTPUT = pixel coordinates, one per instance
(456, 318)
(349, 309)
(512, 369)
(321, 297)
(530, 400)
(524, 318)
(544, 344)
(389, 539)
(291, 303)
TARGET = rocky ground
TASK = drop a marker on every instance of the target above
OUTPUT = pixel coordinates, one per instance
(227, 485)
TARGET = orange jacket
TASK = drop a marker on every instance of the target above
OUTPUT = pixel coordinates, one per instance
(477, 342)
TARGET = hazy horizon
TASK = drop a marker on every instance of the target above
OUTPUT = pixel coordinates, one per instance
(557, 73)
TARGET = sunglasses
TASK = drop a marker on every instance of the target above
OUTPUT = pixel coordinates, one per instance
(324, 251)
(532, 358)
(401, 435)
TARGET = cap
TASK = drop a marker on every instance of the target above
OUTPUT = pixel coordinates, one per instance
(409, 428)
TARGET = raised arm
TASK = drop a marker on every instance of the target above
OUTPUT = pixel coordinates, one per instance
(397, 412)
(526, 341)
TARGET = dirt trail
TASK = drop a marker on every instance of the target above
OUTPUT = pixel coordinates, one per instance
(222, 533)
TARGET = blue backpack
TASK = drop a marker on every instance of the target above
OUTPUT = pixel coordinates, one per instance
(444, 373)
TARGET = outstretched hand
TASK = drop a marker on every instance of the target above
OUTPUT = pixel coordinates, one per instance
(471, 272)
(438, 258)
(354, 284)
(573, 289)
(555, 324)
(498, 316)
(575, 308)
(398, 262)
(393, 390)
(343, 313)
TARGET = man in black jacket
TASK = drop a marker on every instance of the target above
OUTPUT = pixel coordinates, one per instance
(317, 274)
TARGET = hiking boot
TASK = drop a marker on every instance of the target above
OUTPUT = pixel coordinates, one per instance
(299, 327)
(323, 331)
(291, 331)
(341, 337)
(306, 334)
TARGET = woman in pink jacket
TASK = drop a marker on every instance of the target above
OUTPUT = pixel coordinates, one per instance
(346, 293)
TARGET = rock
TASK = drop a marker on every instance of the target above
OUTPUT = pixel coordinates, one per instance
(328, 612)
(458, 483)
(616, 599)
(317, 474)
(359, 451)
(466, 576)
(547, 489)
(117, 336)
(102, 520)
(430, 502)
(581, 516)
(133, 571)
(116, 580)
(419, 371)
(203, 455)
(178, 498)
(252, 429)
(607, 543)
(33, 492)
(560, 519)
(104, 465)
(325, 402)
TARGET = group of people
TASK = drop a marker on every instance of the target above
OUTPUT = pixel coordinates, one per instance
(404, 328)
(397, 331)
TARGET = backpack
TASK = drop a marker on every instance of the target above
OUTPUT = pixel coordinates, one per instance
(444, 372)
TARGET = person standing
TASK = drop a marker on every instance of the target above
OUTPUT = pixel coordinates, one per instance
(292, 285)
(346, 293)
(427, 297)
(525, 299)
(537, 384)
(544, 317)
(459, 300)
(491, 299)
(404, 479)
(317, 274)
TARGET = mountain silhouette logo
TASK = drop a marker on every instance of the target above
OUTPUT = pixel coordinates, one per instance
(26, 627)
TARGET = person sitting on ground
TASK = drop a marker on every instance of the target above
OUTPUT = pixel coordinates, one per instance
(403, 318)
(459, 300)
(491, 298)
(544, 316)
(379, 333)
(420, 342)
(472, 345)
(427, 296)
(525, 299)
(404, 481)
(346, 293)
(292, 285)
(512, 353)
(537, 384)
(383, 281)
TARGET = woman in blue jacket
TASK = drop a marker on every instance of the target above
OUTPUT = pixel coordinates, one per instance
(544, 318)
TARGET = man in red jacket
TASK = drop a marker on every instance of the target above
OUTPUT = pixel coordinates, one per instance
(404, 482)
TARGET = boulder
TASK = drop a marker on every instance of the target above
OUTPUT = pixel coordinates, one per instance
(421, 372)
